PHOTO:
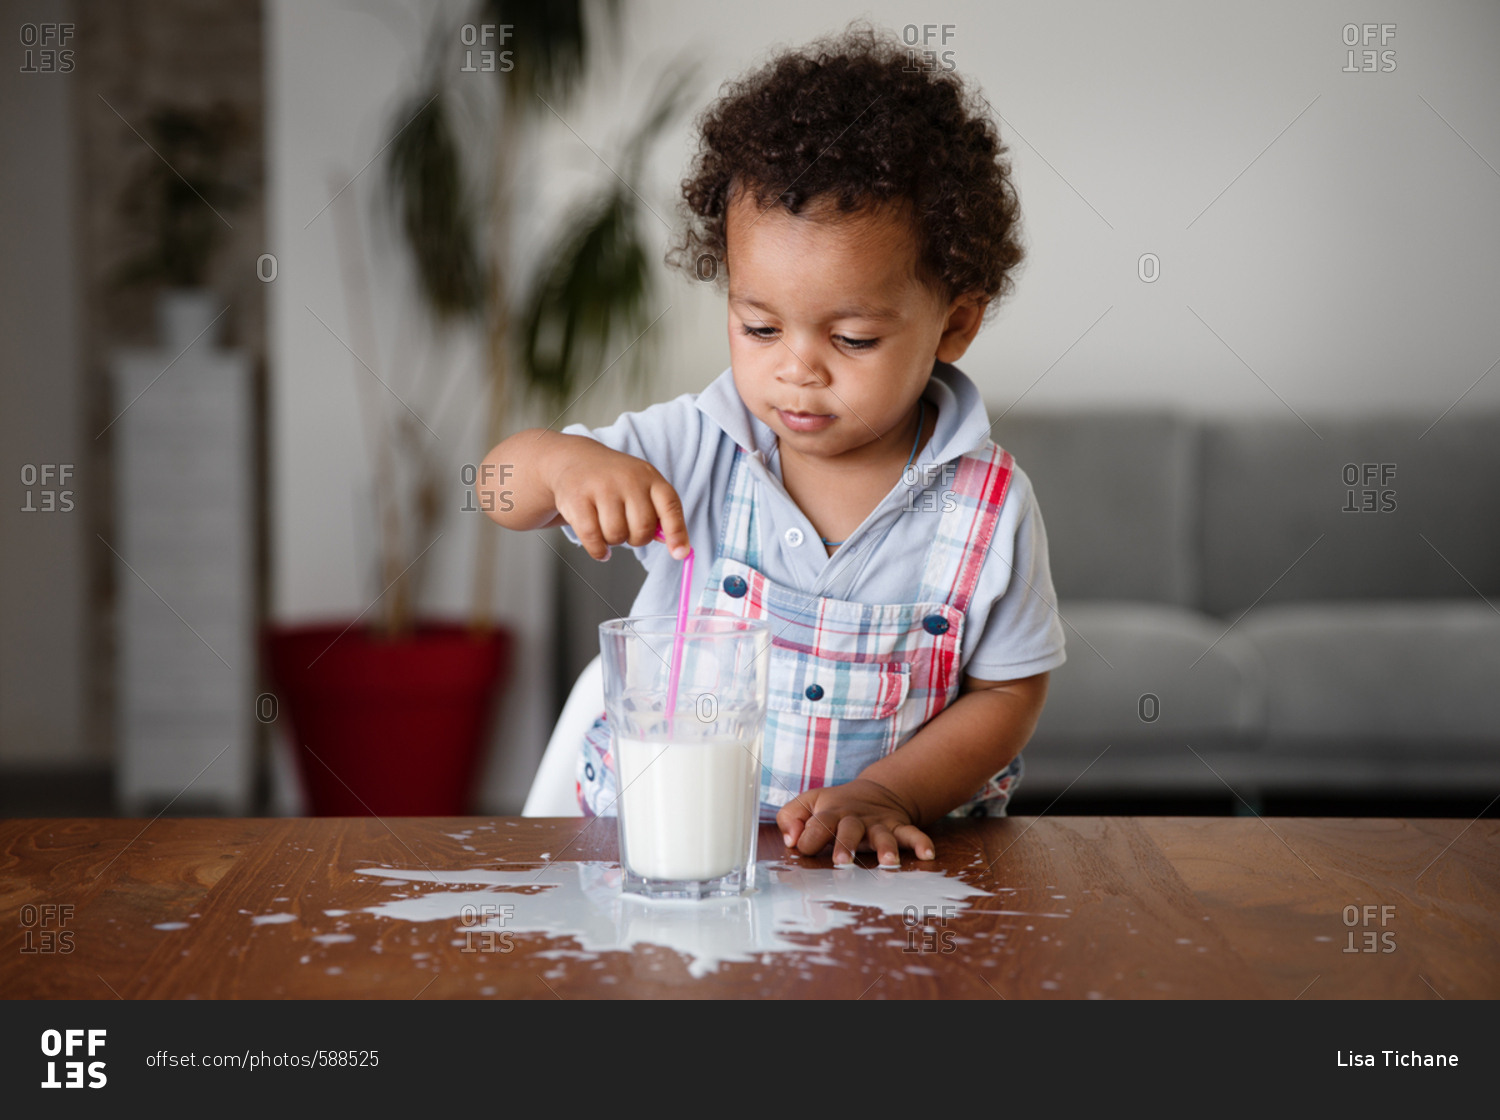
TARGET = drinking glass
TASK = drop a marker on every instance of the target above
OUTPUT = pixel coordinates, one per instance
(687, 779)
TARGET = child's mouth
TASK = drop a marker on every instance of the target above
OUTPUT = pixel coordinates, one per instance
(804, 421)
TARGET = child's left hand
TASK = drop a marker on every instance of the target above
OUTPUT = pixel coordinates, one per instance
(857, 816)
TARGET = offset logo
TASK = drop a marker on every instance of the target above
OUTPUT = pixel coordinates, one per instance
(491, 498)
(50, 37)
(51, 497)
(66, 1044)
(483, 35)
(44, 928)
(1371, 60)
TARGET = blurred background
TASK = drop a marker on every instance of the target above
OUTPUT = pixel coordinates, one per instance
(276, 275)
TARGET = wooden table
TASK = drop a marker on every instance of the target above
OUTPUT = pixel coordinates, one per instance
(1098, 907)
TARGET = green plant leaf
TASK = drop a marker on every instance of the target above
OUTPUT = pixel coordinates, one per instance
(589, 304)
(425, 177)
(591, 293)
(548, 42)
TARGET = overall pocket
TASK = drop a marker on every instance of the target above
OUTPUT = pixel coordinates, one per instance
(831, 718)
(824, 688)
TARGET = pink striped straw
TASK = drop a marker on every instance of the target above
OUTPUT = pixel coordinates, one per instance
(684, 596)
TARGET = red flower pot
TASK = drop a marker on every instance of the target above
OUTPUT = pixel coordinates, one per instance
(387, 727)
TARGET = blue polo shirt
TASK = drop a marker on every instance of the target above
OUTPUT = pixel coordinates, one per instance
(1012, 629)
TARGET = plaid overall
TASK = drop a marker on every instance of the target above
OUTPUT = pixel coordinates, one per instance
(849, 682)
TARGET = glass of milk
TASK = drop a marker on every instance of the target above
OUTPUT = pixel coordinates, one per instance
(688, 779)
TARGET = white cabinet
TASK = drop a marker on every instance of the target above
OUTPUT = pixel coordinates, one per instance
(184, 568)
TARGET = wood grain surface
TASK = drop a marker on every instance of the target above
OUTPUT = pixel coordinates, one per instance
(1079, 907)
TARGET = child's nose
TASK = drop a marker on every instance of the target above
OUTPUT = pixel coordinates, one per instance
(797, 371)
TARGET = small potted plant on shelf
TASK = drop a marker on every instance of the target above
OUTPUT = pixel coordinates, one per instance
(179, 196)
(389, 712)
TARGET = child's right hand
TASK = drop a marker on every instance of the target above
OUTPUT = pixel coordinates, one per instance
(612, 498)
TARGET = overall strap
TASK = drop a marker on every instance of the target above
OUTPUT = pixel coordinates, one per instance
(971, 504)
(739, 535)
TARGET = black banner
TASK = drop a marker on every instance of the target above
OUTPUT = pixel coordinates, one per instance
(76, 1055)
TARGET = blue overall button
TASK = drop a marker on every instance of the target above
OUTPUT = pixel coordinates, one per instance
(815, 692)
(935, 624)
(735, 586)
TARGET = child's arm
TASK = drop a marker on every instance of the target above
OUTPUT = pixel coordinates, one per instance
(934, 772)
(539, 478)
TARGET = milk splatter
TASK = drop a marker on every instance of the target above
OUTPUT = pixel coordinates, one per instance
(790, 911)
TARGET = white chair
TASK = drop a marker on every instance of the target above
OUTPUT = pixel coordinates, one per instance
(552, 790)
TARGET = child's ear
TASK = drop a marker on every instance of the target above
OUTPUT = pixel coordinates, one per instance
(964, 317)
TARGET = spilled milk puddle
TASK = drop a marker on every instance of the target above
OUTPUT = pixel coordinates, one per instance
(789, 915)
(787, 912)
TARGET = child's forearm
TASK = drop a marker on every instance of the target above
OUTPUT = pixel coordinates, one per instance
(963, 746)
(515, 480)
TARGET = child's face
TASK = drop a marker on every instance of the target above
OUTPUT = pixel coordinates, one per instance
(832, 337)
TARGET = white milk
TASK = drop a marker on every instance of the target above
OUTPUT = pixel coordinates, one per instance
(688, 809)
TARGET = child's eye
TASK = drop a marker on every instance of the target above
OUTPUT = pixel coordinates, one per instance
(766, 334)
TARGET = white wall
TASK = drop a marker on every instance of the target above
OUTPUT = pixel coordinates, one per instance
(1351, 262)
(1347, 258)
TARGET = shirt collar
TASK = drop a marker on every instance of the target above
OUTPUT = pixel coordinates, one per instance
(962, 424)
(721, 403)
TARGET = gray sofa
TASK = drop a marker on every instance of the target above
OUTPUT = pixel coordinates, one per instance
(1238, 625)
(1308, 609)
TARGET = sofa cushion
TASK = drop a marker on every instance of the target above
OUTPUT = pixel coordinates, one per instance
(1209, 685)
(1378, 677)
(1271, 488)
(1117, 495)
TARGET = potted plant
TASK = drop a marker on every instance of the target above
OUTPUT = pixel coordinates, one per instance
(179, 195)
(390, 713)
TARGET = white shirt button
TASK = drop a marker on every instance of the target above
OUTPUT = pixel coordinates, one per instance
(794, 537)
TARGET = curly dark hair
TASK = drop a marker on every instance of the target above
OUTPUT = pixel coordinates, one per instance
(855, 120)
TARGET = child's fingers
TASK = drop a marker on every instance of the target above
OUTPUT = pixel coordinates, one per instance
(669, 512)
(640, 514)
(887, 850)
(817, 834)
(586, 527)
(851, 830)
(612, 522)
(910, 836)
(791, 820)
